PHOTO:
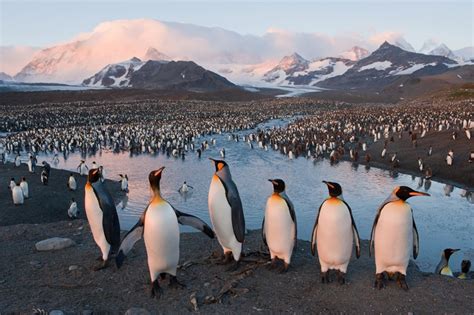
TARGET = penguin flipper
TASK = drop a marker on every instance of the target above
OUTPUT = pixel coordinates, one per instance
(195, 222)
(315, 228)
(110, 221)
(376, 220)
(291, 208)
(416, 238)
(264, 238)
(354, 231)
(132, 236)
(233, 198)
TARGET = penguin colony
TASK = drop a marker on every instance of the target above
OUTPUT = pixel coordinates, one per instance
(394, 238)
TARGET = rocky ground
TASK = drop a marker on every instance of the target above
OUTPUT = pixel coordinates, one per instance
(64, 280)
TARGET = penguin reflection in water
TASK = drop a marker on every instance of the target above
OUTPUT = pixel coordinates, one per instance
(279, 231)
(334, 233)
(159, 227)
(394, 235)
(227, 215)
(102, 216)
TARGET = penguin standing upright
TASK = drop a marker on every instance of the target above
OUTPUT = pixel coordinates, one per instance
(159, 226)
(17, 195)
(465, 266)
(24, 188)
(73, 212)
(123, 182)
(45, 173)
(394, 236)
(82, 168)
(443, 266)
(71, 182)
(102, 216)
(279, 229)
(227, 215)
(334, 233)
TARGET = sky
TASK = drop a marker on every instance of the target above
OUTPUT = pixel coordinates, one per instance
(42, 23)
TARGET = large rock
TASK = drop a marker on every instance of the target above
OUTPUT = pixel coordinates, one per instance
(54, 243)
(137, 311)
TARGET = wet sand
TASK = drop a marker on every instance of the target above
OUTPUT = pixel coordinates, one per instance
(43, 280)
(460, 174)
(46, 203)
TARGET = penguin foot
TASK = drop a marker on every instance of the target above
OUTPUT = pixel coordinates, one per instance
(99, 258)
(341, 277)
(379, 281)
(273, 264)
(325, 277)
(234, 266)
(283, 267)
(156, 291)
(175, 284)
(102, 265)
(226, 259)
(401, 281)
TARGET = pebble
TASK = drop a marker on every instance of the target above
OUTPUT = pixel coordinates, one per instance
(54, 243)
(36, 264)
(137, 311)
(56, 312)
(73, 267)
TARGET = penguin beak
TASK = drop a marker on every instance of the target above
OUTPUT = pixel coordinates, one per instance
(329, 184)
(214, 161)
(272, 181)
(158, 171)
(418, 193)
(456, 250)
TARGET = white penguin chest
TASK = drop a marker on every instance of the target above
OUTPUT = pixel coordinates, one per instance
(220, 211)
(394, 236)
(161, 235)
(94, 214)
(279, 226)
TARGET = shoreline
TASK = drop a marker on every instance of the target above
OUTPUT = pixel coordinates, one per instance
(64, 280)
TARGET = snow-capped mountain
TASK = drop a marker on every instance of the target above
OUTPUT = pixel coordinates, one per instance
(287, 66)
(180, 75)
(466, 53)
(154, 54)
(428, 46)
(385, 65)
(443, 50)
(403, 44)
(115, 75)
(355, 53)
(5, 77)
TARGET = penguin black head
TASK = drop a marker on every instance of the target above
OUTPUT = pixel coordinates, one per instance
(94, 175)
(448, 252)
(335, 189)
(278, 185)
(404, 192)
(465, 266)
(155, 177)
(219, 164)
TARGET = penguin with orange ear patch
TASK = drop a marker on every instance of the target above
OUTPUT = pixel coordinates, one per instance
(334, 233)
(102, 216)
(395, 236)
(159, 227)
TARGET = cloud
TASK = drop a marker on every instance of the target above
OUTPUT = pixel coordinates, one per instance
(13, 58)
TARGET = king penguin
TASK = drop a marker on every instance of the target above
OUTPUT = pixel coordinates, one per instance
(334, 233)
(71, 182)
(225, 210)
(17, 195)
(102, 216)
(279, 230)
(394, 236)
(159, 227)
(443, 266)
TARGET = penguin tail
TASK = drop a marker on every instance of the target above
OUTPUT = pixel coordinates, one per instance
(119, 259)
(208, 231)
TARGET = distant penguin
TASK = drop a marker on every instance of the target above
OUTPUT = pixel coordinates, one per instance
(159, 226)
(94, 165)
(82, 168)
(12, 183)
(123, 182)
(102, 216)
(185, 188)
(443, 266)
(73, 212)
(279, 229)
(17, 195)
(44, 177)
(24, 188)
(225, 210)
(465, 267)
(394, 236)
(71, 182)
(17, 160)
(222, 152)
(334, 232)
(31, 166)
